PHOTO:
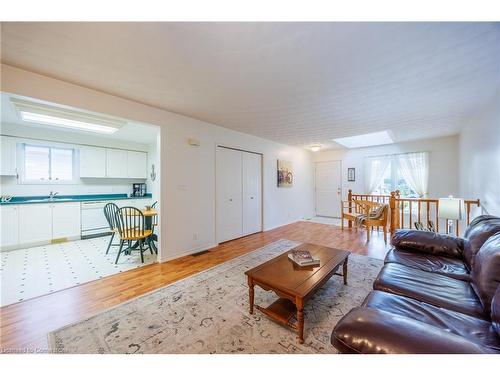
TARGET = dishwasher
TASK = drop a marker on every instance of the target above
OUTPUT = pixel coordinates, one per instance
(94, 222)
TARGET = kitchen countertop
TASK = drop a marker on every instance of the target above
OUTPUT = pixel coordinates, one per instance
(71, 198)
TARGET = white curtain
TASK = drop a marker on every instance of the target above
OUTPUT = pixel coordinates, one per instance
(414, 168)
(375, 168)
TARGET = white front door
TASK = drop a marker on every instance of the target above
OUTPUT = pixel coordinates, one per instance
(328, 179)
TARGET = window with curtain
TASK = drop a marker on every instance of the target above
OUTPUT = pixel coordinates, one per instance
(408, 173)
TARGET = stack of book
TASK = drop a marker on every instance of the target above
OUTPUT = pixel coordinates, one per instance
(303, 258)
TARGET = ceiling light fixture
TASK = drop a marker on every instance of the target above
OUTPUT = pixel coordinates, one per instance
(315, 148)
(366, 140)
(42, 114)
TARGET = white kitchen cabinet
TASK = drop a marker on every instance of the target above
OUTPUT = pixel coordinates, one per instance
(8, 156)
(66, 220)
(9, 223)
(116, 163)
(136, 164)
(35, 223)
(92, 162)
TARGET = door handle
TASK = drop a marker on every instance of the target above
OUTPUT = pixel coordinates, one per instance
(251, 197)
(230, 199)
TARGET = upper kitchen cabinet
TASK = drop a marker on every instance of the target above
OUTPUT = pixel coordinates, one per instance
(136, 164)
(92, 162)
(99, 162)
(116, 163)
(8, 154)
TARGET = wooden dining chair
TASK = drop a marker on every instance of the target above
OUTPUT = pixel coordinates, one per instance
(132, 227)
(110, 210)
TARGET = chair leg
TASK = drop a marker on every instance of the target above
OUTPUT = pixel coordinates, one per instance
(150, 242)
(368, 234)
(141, 249)
(119, 251)
(385, 234)
(110, 242)
(342, 223)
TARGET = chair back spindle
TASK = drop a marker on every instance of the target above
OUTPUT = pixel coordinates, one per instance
(130, 222)
(110, 210)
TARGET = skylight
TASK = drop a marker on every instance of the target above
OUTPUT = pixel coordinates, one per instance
(366, 140)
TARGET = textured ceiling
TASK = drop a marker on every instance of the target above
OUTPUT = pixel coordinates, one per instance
(295, 83)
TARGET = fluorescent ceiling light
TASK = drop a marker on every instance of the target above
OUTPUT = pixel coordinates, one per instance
(37, 113)
(315, 148)
(365, 140)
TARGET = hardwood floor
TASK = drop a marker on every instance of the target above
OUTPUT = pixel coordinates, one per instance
(26, 324)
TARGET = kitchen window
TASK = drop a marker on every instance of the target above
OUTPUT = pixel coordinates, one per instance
(44, 164)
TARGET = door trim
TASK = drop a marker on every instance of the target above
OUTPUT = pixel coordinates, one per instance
(315, 187)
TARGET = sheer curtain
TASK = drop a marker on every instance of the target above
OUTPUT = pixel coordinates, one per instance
(414, 168)
(375, 168)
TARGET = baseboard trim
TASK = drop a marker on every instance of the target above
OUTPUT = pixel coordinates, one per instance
(187, 252)
(281, 225)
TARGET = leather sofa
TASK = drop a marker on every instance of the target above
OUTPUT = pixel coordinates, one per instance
(435, 294)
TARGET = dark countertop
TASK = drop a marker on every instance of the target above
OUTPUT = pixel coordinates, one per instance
(71, 198)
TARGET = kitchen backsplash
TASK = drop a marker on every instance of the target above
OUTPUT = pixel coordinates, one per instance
(9, 186)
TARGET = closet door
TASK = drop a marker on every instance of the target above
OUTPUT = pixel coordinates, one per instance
(252, 192)
(229, 204)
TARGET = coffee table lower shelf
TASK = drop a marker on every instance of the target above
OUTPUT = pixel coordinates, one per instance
(282, 311)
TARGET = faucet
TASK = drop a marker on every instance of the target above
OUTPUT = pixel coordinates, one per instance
(52, 195)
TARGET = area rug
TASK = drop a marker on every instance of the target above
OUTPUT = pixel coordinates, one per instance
(208, 313)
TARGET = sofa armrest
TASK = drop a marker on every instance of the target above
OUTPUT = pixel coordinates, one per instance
(371, 331)
(428, 242)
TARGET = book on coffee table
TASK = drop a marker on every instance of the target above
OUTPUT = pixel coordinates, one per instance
(303, 258)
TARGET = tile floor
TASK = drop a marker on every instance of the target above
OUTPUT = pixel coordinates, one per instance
(35, 271)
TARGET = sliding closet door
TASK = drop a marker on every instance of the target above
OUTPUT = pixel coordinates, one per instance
(252, 192)
(229, 194)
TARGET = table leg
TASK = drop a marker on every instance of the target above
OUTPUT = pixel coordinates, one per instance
(300, 319)
(250, 294)
(344, 271)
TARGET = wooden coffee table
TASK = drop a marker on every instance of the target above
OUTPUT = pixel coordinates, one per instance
(293, 284)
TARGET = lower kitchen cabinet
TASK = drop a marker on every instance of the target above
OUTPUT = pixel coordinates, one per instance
(35, 223)
(66, 220)
(9, 222)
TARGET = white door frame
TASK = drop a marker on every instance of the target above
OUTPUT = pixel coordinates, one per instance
(341, 188)
(261, 185)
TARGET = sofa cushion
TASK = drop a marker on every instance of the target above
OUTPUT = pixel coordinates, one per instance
(473, 329)
(476, 234)
(373, 331)
(426, 242)
(486, 272)
(435, 289)
(495, 311)
(451, 267)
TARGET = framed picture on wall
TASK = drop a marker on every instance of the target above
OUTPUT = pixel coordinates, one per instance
(351, 174)
(285, 173)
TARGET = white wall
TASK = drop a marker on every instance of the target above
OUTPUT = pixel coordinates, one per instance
(12, 186)
(480, 157)
(443, 163)
(187, 172)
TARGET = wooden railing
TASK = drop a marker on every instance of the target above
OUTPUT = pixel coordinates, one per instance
(404, 212)
(379, 198)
